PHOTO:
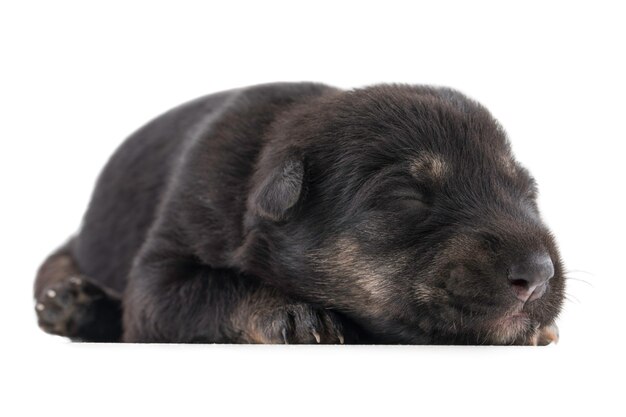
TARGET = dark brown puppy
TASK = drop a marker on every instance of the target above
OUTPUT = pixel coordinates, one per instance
(301, 213)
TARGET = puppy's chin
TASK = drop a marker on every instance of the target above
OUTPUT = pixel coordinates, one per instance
(509, 328)
(507, 324)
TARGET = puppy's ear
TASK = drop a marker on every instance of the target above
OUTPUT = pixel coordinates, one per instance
(278, 190)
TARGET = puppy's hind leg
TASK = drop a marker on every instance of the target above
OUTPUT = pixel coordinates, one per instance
(72, 305)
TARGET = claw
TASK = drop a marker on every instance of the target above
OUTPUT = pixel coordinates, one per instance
(318, 339)
(549, 334)
(75, 280)
(40, 307)
(340, 336)
(285, 336)
(51, 293)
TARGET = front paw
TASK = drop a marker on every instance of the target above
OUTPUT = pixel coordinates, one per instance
(545, 335)
(291, 323)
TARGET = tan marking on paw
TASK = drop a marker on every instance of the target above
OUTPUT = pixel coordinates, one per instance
(548, 334)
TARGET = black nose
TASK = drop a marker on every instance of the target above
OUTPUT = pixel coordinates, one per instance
(528, 278)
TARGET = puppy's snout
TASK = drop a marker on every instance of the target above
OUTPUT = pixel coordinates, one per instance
(528, 278)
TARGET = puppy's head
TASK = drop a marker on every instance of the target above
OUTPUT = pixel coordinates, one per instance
(403, 208)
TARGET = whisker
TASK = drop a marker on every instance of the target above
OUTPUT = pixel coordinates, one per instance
(573, 271)
(579, 279)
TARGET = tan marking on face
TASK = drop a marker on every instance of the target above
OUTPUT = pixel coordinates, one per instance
(373, 276)
(369, 275)
(430, 166)
(427, 294)
(424, 293)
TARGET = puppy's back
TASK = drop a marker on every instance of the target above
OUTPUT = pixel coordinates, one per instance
(130, 187)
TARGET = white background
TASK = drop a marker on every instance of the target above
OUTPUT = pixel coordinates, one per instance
(77, 77)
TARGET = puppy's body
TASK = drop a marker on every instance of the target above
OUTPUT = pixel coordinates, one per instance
(221, 135)
(301, 213)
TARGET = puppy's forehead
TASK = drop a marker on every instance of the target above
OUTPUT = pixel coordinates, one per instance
(438, 167)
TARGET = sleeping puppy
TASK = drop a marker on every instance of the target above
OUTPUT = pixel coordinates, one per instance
(301, 213)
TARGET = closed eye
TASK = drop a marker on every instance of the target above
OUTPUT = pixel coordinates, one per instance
(410, 196)
(411, 199)
(393, 188)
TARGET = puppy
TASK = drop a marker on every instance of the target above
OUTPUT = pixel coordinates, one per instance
(301, 213)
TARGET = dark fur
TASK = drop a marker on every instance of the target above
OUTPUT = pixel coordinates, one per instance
(303, 213)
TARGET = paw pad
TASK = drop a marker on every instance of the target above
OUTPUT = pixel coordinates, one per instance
(61, 308)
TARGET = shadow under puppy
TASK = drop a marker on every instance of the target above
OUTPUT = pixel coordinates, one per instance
(301, 213)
